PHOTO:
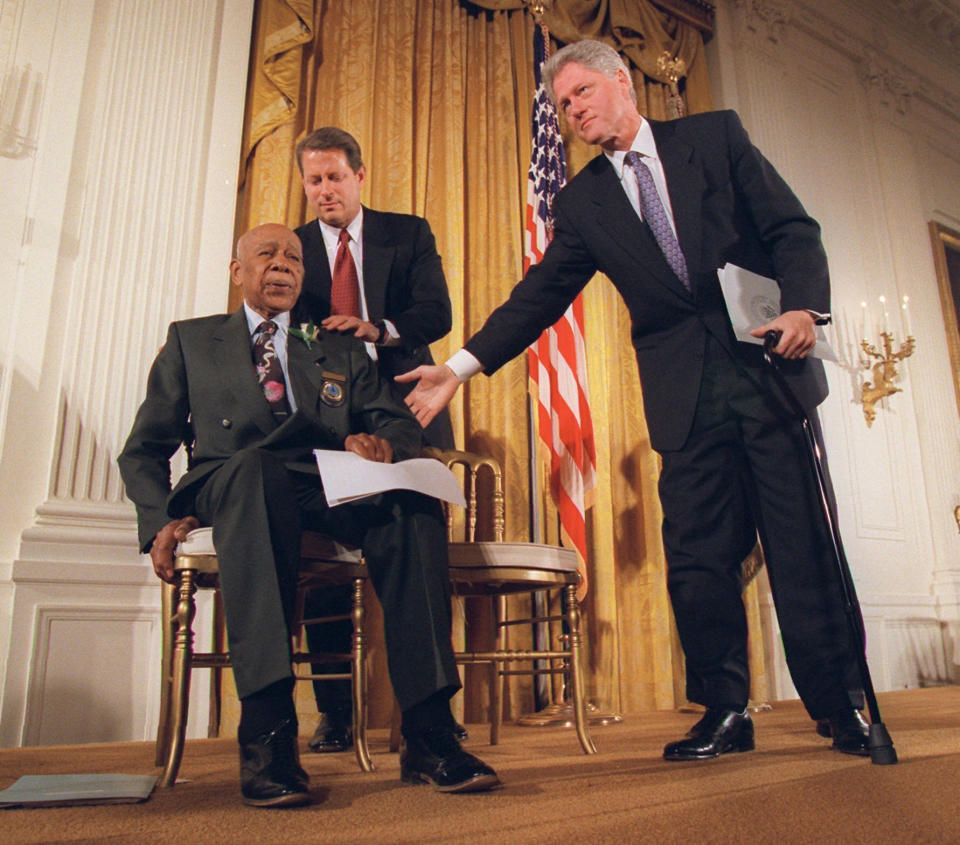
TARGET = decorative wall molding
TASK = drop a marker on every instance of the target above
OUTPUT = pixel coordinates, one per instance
(890, 83)
(769, 23)
(52, 700)
(767, 19)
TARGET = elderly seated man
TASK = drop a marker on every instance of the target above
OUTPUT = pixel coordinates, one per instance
(253, 396)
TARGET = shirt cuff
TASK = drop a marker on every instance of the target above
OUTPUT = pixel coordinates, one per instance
(464, 365)
(393, 336)
(819, 318)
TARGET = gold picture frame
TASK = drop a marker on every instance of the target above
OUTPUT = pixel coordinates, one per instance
(946, 258)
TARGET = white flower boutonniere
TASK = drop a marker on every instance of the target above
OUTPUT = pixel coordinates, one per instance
(307, 332)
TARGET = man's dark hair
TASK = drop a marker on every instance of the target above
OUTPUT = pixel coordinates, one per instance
(331, 138)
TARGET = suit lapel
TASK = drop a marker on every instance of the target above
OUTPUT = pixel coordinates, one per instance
(233, 360)
(305, 367)
(685, 185)
(316, 263)
(377, 260)
(619, 219)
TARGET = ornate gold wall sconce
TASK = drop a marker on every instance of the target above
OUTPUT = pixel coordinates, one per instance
(885, 367)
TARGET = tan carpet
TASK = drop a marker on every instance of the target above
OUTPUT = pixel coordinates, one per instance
(791, 789)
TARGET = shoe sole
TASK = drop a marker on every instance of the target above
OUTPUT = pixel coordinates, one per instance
(292, 799)
(329, 749)
(688, 758)
(480, 783)
(856, 752)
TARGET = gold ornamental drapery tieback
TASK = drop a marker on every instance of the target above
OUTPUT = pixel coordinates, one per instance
(673, 70)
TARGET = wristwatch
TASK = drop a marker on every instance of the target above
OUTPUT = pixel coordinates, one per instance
(382, 333)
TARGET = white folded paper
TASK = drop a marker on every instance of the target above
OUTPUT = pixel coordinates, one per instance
(753, 301)
(347, 477)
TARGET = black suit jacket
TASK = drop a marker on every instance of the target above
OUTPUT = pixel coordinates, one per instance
(202, 391)
(729, 205)
(403, 282)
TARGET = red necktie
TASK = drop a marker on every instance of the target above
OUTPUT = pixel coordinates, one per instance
(345, 287)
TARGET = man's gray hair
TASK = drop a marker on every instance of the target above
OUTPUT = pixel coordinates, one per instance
(592, 54)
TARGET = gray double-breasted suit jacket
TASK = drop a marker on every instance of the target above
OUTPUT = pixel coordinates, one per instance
(257, 484)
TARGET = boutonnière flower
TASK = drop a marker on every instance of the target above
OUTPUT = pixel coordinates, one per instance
(307, 332)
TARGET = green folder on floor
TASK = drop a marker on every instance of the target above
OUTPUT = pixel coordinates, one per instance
(69, 790)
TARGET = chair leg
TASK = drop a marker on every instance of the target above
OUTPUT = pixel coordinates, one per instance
(358, 677)
(166, 677)
(496, 668)
(182, 654)
(576, 670)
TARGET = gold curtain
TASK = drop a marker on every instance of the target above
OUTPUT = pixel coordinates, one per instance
(438, 93)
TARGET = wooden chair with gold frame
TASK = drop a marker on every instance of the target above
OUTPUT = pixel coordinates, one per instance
(323, 562)
(497, 569)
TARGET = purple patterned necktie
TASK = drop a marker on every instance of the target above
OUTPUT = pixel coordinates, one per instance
(269, 371)
(656, 217)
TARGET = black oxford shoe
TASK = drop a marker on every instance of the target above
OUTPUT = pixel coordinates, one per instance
(334, 733)
(718, 732)
(270, 773)
(435, 756)
(850, 732)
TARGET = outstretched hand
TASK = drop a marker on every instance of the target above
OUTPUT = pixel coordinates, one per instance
(797, 336)
(436, 386)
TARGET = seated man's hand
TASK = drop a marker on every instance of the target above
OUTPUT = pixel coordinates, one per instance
(435, 388)
(797, 336)
(360, 328)
(369, 446)
(161, 552)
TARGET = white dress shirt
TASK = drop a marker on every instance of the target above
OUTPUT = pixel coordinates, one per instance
(331, 240)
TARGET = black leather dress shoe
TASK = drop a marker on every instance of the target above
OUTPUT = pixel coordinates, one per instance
(435, 756)
(850, 732)
(334, 733)
(270, 772)
(718, 732)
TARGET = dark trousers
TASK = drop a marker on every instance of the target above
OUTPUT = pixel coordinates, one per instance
(334, 637)
(258, 508)
(744, 471)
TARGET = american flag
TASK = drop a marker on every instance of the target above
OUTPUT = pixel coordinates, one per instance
(557, 361)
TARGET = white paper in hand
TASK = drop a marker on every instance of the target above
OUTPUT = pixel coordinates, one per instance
(753, 301)
(347, 477)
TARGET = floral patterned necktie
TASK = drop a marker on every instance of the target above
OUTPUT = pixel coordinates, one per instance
(269, 371)
(656, 217)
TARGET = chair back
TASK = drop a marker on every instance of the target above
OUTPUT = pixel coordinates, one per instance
(473, 487)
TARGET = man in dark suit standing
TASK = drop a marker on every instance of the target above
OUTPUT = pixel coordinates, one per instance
(385, 285)
(252, 396)
(659, 211)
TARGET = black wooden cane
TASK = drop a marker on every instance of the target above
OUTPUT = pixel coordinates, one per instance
(882, 752)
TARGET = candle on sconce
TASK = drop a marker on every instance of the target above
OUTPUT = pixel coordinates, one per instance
(864, 321)
(905, 305)
(886, 316)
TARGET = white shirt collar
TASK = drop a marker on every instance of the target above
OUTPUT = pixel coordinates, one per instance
(643, 143)
(254, 319)
(331, 234)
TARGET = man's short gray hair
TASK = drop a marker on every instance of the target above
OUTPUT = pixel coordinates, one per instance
(592, 54)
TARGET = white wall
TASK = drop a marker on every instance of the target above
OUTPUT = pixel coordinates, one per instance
(117, 219)
(858, 105)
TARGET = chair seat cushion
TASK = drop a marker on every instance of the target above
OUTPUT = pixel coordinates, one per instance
(312, 545)
(514, 555)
